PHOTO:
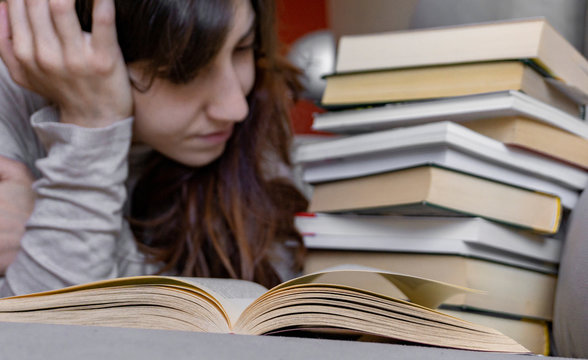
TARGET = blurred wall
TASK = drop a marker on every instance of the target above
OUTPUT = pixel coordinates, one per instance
(566, 16)
(569, 17)
(366, 16)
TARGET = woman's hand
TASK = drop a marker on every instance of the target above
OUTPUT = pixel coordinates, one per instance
(46, 51)
(16, 204)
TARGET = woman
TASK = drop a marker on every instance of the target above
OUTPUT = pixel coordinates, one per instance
(196, 86)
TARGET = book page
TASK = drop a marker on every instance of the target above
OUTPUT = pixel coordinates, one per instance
(425, 292)
(234, 295)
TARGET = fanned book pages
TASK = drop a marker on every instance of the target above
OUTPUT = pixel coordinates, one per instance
(319, 302)
(508, 290)
(532, 334)
(532, 39)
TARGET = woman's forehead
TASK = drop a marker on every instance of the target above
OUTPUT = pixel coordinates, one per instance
(243, 21)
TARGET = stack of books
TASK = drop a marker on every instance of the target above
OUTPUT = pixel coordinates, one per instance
(460, 152)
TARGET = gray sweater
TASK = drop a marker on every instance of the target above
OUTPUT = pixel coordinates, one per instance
(76, 232)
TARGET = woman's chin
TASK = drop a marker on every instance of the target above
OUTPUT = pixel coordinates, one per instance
(198, 159)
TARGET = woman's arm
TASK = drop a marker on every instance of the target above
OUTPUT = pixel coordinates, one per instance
(71, 236)
(19, 149)
(16, 205)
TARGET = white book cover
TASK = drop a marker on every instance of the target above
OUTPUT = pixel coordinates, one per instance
(458, 109)
(472, 237)
(388, 150)
(443, 156)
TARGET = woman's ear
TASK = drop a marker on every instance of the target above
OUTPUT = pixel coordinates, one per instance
(140, 76)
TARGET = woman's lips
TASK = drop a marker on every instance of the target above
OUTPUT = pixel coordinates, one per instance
(217, 137)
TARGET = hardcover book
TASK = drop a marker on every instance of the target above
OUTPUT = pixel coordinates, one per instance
(444, 144)
(535, 136)
(532, 39)
(469, 237)
(441, 133)
(435, 191)
(369, 88)
(457, 109)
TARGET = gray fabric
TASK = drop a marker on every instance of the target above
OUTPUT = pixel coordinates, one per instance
(570, 323)
(67, 342)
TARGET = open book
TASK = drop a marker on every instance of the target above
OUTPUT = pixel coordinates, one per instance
(316, 302)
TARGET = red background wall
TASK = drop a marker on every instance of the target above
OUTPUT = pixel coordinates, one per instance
(298, 17)
(295, 19)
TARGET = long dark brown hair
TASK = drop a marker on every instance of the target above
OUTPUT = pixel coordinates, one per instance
(223, 219)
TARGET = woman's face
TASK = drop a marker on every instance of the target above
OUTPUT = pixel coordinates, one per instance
(191, 123)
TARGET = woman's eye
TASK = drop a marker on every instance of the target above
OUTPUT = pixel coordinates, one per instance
(246, 47)
(247, 43)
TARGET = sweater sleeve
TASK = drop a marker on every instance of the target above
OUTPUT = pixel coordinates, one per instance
(71, 236)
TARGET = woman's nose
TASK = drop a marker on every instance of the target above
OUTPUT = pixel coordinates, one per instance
(228, 95)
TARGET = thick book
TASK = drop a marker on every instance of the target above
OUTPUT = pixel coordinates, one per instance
(535, 136)
(469, 237)
(379, 87)
(532, 39)
(457, 109)
(319, 302)
(508, 290)
(445, 144)
(435, 191)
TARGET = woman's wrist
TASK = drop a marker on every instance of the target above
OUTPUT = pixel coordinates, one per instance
(92, 119)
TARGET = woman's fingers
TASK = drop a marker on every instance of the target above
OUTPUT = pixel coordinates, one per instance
(83, 74)
(5, 36)
(22, 37)
(21, 45)
(47, 50)
(67, 27)
(104, 39)
(6, 46)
